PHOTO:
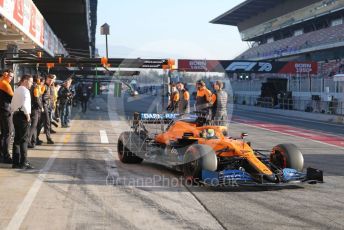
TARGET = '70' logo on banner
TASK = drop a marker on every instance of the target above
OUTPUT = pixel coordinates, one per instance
(249, 66)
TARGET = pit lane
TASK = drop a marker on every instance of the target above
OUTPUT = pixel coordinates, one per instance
(76, 191)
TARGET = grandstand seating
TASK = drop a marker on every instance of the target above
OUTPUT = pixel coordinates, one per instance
(296, 44)
(291, 18)
(329, 68)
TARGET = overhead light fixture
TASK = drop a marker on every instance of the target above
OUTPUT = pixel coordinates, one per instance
(5, 26)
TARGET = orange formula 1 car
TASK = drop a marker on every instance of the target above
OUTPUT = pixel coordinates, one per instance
(204, 153)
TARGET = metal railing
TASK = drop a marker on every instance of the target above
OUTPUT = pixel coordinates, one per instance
(333, 107)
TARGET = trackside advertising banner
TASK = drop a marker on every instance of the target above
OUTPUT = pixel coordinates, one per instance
(247, 66)
(25, 16)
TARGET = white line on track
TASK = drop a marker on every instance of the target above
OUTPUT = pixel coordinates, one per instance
(25, 205)
(288, 134)
(111, 167)
(103, 137)
(272, 115)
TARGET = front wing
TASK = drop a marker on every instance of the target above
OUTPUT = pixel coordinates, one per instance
(241, 178)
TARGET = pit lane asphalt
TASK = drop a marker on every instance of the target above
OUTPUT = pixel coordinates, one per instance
(296, 207)
(76, 191)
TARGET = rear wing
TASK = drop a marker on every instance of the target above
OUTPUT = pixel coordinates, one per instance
(155, 118)
(168, 118)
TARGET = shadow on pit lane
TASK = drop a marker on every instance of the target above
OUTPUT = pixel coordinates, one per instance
(90, 115)
(244, 188)
(199, 187)
(330, 164)
(153, 177)
(85, 171)
(90, 144)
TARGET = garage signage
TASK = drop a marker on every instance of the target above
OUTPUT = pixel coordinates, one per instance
(25, 16)
(233, 66)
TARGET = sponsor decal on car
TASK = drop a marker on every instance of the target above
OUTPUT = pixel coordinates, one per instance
(156, 116)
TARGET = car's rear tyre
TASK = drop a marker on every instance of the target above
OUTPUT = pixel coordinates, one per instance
(124, 154)
(196, 158)
(287, 156)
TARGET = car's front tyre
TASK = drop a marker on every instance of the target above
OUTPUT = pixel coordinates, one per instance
(287, 156)
(198, 157)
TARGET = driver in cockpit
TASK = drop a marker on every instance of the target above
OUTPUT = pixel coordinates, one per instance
(208, 134)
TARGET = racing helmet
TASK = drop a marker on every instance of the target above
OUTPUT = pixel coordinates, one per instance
(210, 133)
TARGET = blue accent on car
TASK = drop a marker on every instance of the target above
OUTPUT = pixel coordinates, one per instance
(292, 175)
(225, 177)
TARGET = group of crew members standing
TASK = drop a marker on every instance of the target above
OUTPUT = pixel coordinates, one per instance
(212, 105)
(36, 103)
(179, 99)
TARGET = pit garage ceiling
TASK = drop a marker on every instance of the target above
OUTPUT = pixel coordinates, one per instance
(70, 20)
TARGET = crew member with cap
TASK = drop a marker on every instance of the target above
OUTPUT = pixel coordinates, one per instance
(21, 108)
(6, 94)
(36, 110)
(219, 101)
(46, 100)
(184, 99)
(203, 99)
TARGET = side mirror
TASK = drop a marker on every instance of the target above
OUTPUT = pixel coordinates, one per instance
(134, 93)
(244, 135)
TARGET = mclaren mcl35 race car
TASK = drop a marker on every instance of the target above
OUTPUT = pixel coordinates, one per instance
(204, 152)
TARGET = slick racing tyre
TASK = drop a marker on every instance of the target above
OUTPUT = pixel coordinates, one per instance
(124, 153)
(287, 156)
(198, 157)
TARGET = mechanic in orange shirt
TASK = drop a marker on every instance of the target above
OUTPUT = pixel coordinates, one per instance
(203, 99)
(6, 94)
(174, 99)
(36, 110)
(45, 116)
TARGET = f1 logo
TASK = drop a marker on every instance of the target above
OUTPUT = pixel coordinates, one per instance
(245, 66)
